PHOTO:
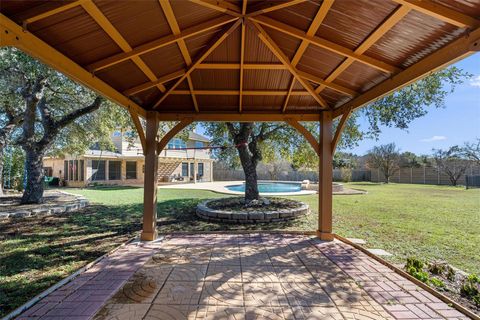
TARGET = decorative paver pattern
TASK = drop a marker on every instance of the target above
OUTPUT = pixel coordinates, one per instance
(240, 276)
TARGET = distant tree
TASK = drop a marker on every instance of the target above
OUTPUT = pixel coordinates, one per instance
(386, 158)
(410, 160)
(10, 120)
(57, 115)
(471, 150)
(451, 162)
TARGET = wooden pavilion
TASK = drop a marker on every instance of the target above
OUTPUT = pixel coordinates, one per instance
(250, 60)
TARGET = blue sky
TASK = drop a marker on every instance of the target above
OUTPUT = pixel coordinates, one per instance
(441, 128)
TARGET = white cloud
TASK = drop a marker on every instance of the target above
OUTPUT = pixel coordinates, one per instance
(475, 82)
(434, 138)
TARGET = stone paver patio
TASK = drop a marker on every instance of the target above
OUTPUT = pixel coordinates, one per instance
(233, 276)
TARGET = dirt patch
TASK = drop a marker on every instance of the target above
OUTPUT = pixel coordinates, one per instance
(11, 202)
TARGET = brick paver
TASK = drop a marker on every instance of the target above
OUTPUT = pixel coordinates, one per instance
(240, 276)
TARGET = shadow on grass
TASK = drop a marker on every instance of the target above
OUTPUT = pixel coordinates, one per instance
(38, 252)
(110, 188)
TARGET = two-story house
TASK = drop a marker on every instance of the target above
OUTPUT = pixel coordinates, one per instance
(181, 161)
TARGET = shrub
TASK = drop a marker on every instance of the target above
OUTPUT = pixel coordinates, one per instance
(437, 282)
(414, 262)
(471, 287)
(437, 268)
(450, 273)
(422, 276)
(346, 174)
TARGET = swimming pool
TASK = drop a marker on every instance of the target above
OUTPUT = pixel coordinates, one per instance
(269, 187)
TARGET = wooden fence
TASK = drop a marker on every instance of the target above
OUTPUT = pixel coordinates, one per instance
(422, 175)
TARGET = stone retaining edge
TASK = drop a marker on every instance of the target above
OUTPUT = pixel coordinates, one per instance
(67, 207)
(206, 213)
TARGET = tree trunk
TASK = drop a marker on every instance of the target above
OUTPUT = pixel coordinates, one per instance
(250, 170)
(35, 181)
(1, 168)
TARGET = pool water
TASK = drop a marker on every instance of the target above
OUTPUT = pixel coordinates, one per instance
(269, 187)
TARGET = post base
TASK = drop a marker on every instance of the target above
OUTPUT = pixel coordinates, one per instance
(149, 236)
(325, 236)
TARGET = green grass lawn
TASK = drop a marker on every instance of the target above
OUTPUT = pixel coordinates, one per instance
(426, 221)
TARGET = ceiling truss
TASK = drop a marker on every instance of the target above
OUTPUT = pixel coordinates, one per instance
(238, 16)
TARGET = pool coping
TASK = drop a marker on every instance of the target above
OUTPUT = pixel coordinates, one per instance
(220, 187)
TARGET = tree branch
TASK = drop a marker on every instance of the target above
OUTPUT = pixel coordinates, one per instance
(72, 116)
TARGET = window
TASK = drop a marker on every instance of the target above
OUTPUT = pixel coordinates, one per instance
(198, 144)
(184, 169)
(81, 170)
(114, 170)
(98, 170)
(65, 170)
(75, 169)
(70, 170)
(176, 144)
(200, 169)
(131, 170)
(192, 167)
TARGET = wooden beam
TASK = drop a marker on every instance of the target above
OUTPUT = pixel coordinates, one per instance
(113, 33)
(270, 6)
(383, 28)
(241, 117)
(312, 30)
(325, 44)
(456, 50)
(244, 92)
(51, 12)
(13, 34)
(151, 84)
(339, 130)
(242, 59)
(172, 133)
(209, 49)
(172, 22)
(220, 5)
(140, 131)
(246, 66)
(160, 43)
(284, 59)
(307, 134)
(441, 12)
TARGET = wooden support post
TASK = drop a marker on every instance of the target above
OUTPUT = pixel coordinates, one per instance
(325, 197)
(149, 231)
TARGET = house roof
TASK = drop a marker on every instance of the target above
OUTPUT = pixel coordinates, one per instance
(197, 137)
(208, 59)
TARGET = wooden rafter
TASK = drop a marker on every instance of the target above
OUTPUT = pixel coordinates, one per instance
(272, 6)
(151, 84)
(312, 29)
(244, 92)
(139, 127)
(383, 28)
(448, 54)
(13, 34)
(51, 12)
(441, 12)
(204, 54)
(275, 49)
(331, 85)
(220, 5)
(160, 43)
(172, 22)
(325, 44)
(108, 27)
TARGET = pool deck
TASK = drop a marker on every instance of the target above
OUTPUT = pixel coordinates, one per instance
(239, 276)
(220, 187)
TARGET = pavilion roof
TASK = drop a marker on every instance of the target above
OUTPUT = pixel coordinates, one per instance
(245, 57)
